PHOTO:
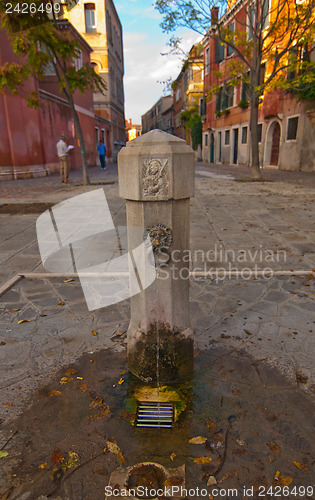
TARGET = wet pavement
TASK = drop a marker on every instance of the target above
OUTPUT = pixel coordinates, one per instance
(251, 398)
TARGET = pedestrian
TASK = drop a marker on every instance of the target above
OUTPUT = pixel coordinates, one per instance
(102, 152)
(62, 150)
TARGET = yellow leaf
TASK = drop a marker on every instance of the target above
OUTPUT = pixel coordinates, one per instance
(9, 404)
(68, 281)
(284, 480)
(202, 460)
(73, 460)
(172, 456)
(121, 381)
(55, 393)
(23, 321)
(300, 466)
(120, 333)
(65, 380)
(79, 378)
(3, 454)
(113, 447)
(15, 309)
(198, 440)
(61, 303)
(42, 466)
(94, 333)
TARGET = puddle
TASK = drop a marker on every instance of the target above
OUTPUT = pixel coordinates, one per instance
(242, 423)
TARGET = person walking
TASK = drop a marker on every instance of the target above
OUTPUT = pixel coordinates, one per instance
(62, 151)
(102, 152)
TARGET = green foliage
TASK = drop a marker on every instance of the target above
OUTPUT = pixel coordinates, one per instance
(193, 122)
(40, 42)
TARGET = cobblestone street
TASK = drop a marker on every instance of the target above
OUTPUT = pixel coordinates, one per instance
(254, 341)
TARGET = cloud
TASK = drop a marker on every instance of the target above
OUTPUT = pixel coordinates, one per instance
(144, 67)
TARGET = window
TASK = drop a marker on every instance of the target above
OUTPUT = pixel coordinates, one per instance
(227, 138)
(206, 139)
(207, 62)
(219, 50)
(225, 98)
(49, 67)
(103, 136)
(244, 135)
(259, 132)
(292, 128)
(78, 62)
(97, 134)
(90, 17)
(109, 28)
(229, 50)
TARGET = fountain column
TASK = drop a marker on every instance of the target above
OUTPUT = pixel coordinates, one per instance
(156, 177)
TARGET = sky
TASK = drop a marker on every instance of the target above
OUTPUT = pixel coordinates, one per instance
(145, 67)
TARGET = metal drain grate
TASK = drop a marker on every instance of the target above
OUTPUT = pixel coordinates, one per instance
(155, 414)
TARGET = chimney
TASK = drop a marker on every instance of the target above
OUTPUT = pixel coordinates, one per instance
(214, 15)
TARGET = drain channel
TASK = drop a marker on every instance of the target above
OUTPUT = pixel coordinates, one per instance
(155, 414)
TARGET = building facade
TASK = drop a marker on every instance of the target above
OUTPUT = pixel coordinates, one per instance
(286, 126)
(28, 136)
(99, 25)
(132, 130)
(159, 116)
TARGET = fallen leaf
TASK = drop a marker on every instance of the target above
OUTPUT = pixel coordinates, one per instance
(113, 447)
(3, 454)
(65, 380)
(57, 456)
(68, 281)
(227, 475)
(123, 372)
(94, 333)
(211, 426)
(172, 456)
(23, 321)
(9, 404)
(42, 466)
(2, 343)
(83, 387)
(284, 480)
(247, 332)
(61, 303)
(79, 378)
(70, 371)
(274, 447)
(173, 481)
(202, 460)
(15, 309)
(198, 440)
(121, 381)
(73, 460)
(300, 466)
(55, 393)
(211, 481)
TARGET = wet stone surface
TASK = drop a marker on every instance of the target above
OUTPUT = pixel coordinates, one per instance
(248, 420)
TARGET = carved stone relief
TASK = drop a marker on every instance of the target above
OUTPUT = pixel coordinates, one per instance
(155, 178)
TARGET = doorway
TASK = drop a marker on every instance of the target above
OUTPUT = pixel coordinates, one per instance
(272, 147)
(211, 148)
(220, 146)
(235, 145)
